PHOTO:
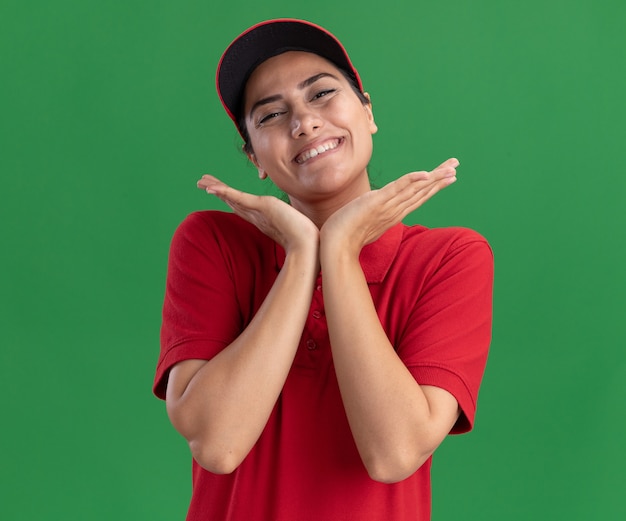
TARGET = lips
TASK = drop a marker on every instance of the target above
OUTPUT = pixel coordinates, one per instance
(317, 150)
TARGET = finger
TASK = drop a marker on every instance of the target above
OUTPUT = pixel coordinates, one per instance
(423, 195)
(393, 197)
(406, 188)
(418, 193)
(452, 162)
(208, 180)
(447, 168)
(214, 186)
(231, 195)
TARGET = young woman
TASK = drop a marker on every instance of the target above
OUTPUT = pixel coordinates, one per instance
(315, 354)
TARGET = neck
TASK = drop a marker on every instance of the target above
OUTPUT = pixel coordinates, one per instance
(320, 209)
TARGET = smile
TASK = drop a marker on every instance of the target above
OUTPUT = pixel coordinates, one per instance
(310, 153)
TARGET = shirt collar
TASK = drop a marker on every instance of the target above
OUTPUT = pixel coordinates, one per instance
(375, 258)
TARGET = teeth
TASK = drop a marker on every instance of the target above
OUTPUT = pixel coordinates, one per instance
(314, 152)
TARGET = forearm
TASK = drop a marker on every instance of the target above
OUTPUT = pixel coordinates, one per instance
(222, 406)
(388, 412)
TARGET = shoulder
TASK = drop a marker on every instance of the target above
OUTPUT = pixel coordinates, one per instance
(452, 236)
(224, 228)
(214, 221)
(220, 237)
(429, 252)
(437, 242)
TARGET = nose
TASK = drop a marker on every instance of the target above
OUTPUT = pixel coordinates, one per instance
(304, 121)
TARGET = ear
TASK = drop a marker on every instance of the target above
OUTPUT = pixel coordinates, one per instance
(370, 114)
(262, 173)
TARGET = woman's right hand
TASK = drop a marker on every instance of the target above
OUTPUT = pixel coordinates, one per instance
(275, 218)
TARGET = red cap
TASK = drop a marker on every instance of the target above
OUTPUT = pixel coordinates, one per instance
(271, 38)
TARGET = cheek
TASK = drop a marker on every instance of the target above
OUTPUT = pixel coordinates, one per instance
(353, 114)
(267, 151)
(256, 144)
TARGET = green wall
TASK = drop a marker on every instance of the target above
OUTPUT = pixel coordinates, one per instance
(108, 117)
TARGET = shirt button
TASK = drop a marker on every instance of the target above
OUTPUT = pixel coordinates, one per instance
(316, 314)
(311, 345)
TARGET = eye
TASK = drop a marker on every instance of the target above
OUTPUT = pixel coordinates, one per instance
(268, 117)
(323, 93)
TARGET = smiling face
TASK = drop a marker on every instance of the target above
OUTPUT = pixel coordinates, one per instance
(309, 131)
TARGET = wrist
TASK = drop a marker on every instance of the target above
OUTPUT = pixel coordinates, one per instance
(303, 255)
(335, 250)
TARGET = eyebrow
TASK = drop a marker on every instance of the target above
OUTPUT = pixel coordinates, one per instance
(302, 85)
(310, 81)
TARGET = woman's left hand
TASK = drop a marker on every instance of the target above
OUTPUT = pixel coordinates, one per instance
(365, 219)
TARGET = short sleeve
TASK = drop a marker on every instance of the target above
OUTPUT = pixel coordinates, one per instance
(201, 314)
(446, 341)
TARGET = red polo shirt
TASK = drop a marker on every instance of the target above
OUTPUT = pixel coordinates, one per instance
(433, 292)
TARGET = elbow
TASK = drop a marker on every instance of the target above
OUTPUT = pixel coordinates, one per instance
(395, 468)
(210, 452)
(213, 459)
(389, 474)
